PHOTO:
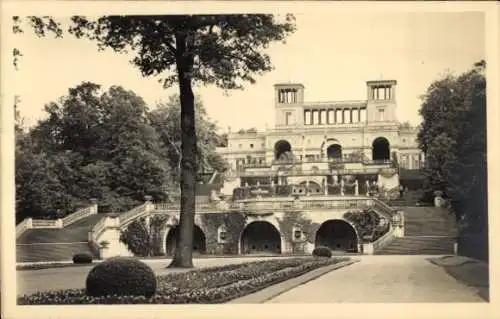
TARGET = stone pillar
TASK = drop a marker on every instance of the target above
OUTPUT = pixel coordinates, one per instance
(341, 187)
(94, 204)
(148, 201)
(307, 187)
(356, 190)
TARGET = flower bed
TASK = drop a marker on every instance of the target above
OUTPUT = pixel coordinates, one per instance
(209, 285)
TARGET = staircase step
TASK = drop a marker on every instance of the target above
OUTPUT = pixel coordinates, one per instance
(51, 252)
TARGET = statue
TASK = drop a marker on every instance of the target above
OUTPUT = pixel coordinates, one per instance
(335, 179)
(341, 187)
(367, 183)
(356, 189)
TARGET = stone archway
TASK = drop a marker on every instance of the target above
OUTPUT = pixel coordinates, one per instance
(334, 151)
(381, 149)
(281, 147)
(199, 240)
(260, 237)
(337, 235)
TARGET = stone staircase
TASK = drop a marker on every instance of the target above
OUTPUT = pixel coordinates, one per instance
(409, 199)
(56, 244)
(419, 245)
(428, 231)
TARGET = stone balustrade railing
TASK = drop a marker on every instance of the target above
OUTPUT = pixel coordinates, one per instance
(125, 218)
(366, 162)
(285, 204)
(30, 223)
(82, 213)
(23, 226)
(42, 223)
(318, 172)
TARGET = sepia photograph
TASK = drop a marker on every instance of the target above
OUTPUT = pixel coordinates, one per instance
(288, 156)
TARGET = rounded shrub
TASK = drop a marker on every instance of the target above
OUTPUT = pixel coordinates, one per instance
(82, 258)
(121, 276)
(322, 251)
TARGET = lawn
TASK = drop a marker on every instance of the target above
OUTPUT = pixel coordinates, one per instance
(203, 286)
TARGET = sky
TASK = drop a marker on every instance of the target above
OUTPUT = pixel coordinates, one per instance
(332, 54)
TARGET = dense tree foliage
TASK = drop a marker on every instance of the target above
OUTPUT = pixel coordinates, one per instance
(91, 145)
(166, 120)
(106, 146)
(453, 137)
(222, 50)
(142, 236)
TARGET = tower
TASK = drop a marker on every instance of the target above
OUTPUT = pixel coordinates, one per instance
(289, 98)
(381, 106)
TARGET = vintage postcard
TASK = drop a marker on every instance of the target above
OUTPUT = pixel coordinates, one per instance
(201, 159)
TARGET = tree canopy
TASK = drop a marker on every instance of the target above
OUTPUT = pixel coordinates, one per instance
(453, 138)
(91, 145)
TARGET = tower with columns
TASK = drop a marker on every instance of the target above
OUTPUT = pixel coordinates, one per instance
(354, 132)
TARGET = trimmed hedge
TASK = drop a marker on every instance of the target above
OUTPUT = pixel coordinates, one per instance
(82, 258)
(209, 285)
(121, 276)
(322, 251)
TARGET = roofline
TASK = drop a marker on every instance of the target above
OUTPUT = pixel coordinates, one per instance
(289, 84)
(381, 81)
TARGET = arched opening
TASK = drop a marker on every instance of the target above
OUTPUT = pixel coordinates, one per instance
(337, 235)
(334, 151)
(281, 148)
(381, 149)
(313, 187)
(199, 241)
(259, 237)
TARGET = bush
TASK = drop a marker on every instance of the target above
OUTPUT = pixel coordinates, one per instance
(322, 251)
(82, 259)
(121, 276)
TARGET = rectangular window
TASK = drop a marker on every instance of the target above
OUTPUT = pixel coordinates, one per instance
(338, 118)
(355, 115)
(347, 116)
(331, 116)
(322, 117)
(288, 118)
(381, 113)
(315, 117)
(307, 117)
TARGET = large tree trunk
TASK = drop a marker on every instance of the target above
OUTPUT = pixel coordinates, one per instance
(183, 257)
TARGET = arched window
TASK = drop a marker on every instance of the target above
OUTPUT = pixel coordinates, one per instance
(297, 233)
(222, 234)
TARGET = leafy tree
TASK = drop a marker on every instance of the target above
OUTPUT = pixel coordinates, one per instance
(222, 50)
(166, 120)
(143, 236)
(92, 145)
(453, 137)
(223, 140)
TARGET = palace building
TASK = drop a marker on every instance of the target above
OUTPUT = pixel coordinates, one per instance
(319, 142)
